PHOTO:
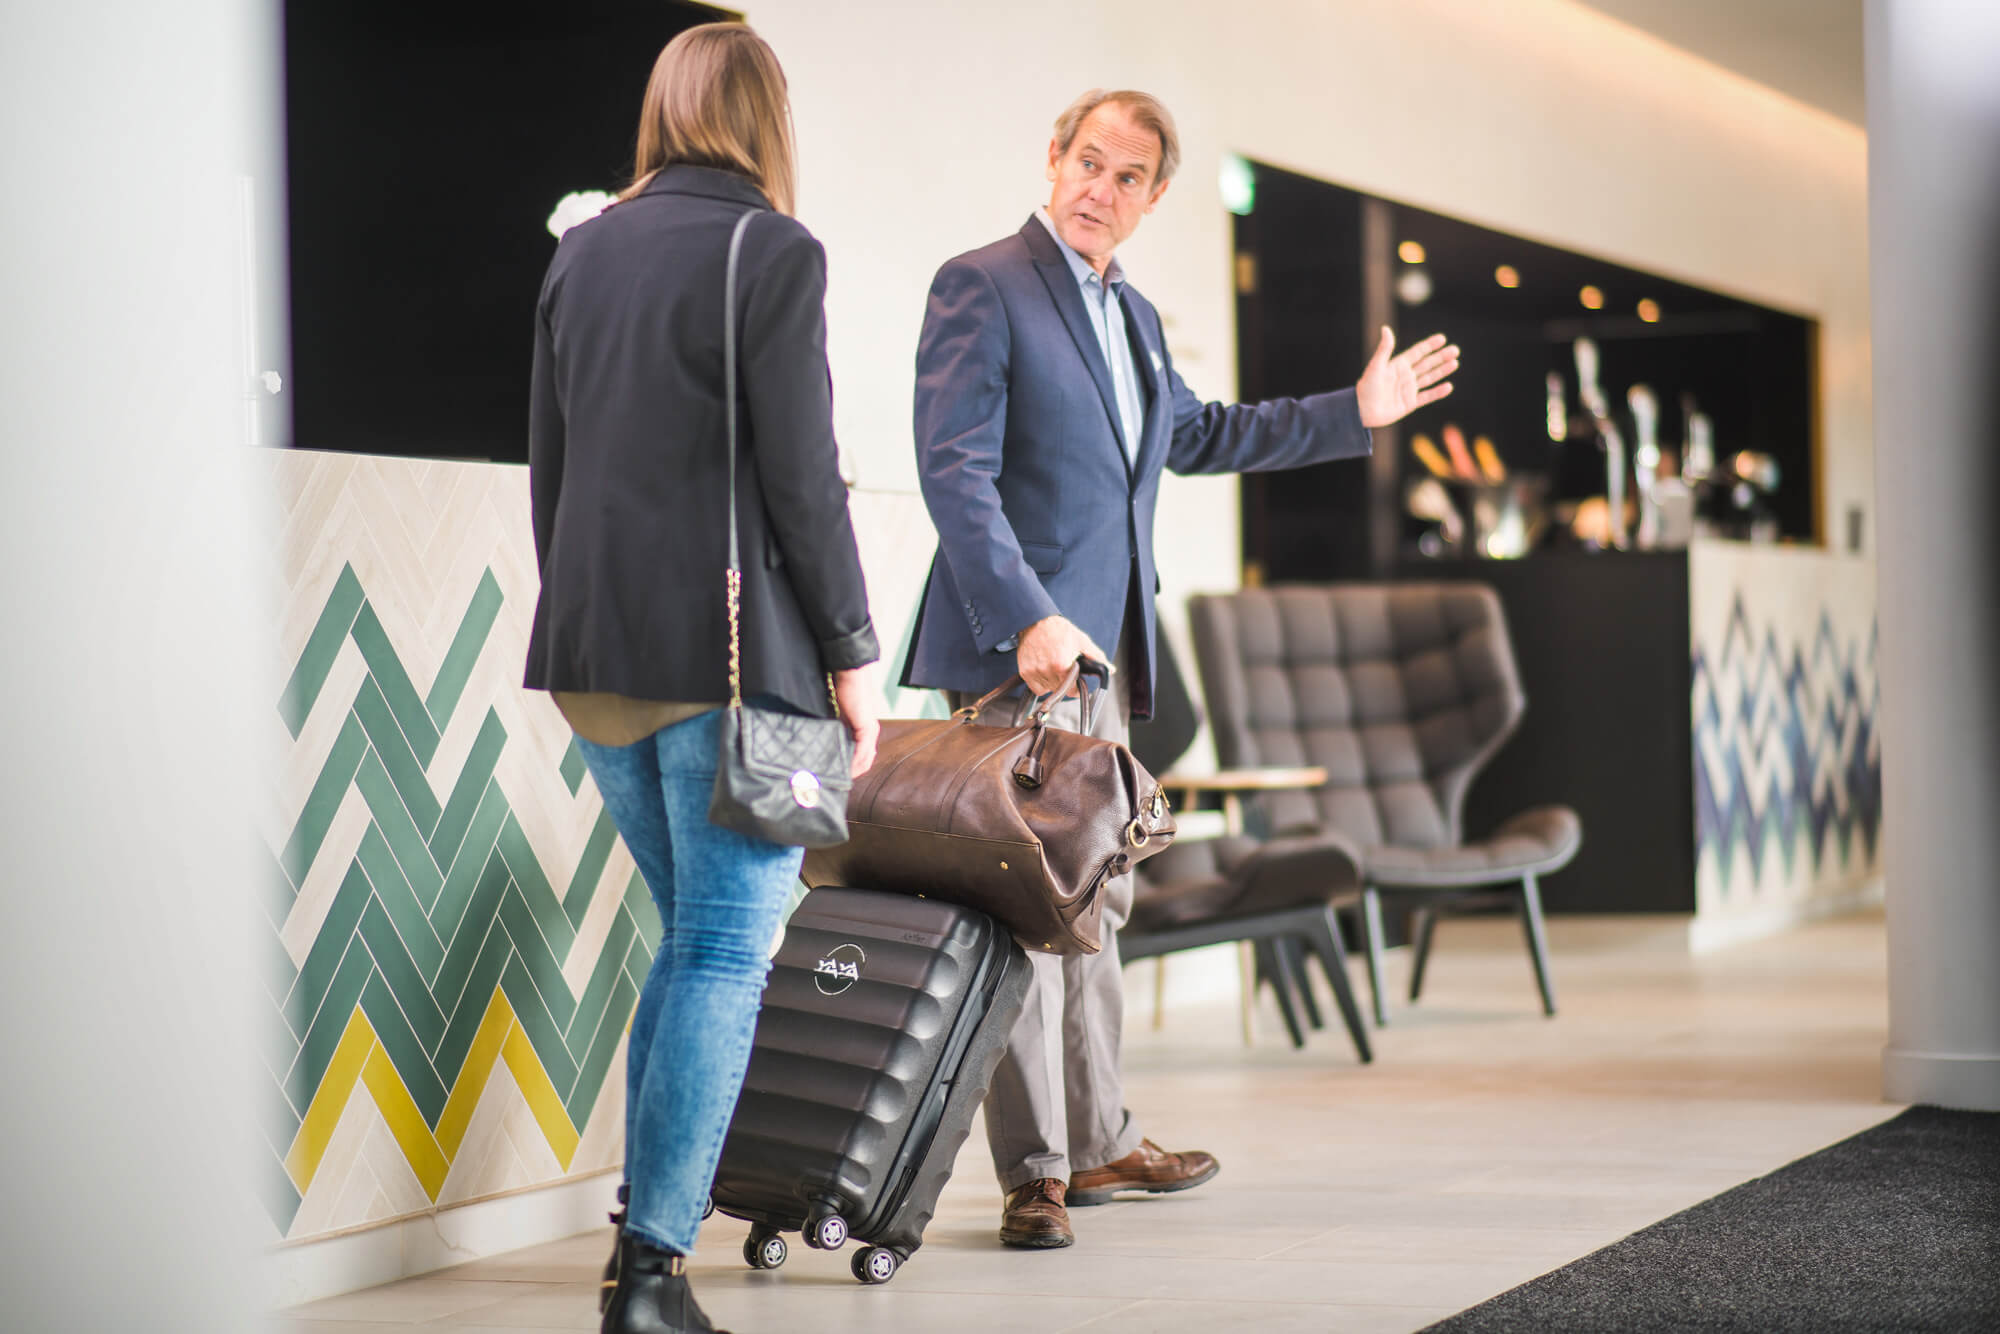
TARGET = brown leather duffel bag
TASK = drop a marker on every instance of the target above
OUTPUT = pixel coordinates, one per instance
(1026, 822)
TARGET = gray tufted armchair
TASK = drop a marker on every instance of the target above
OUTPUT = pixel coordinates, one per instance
(1402, 692)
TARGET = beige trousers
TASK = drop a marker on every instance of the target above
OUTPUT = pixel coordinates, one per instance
(1057, 1104)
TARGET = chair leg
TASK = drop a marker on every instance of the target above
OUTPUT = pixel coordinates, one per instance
(1272, 970)
(1538, 941)
(1246, 1002)
(1371, 917)
(1292, 956)
(1325, 940)
(1426, 923)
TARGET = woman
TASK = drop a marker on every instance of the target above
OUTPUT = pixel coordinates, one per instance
(627, 458)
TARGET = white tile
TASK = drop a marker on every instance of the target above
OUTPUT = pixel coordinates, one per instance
(486, 1163)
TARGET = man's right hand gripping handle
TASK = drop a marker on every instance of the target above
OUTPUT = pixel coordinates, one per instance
(1047, 649)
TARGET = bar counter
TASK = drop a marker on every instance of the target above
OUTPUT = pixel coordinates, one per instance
(1711, 715)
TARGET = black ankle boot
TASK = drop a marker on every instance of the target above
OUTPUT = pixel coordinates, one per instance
(610, 1283)
(652, 1296)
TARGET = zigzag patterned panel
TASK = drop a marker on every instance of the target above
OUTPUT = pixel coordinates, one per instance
(1787, 756)
(447, 899)
(455, 935)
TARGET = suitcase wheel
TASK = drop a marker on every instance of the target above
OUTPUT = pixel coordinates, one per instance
(763, 1250)
(876, 1264)
(708, 1209)
(827, 1233)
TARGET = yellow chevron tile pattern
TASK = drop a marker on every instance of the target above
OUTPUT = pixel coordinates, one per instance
(456, 936)
(447, 898)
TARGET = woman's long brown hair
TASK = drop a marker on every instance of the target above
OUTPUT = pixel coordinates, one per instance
(718, 98)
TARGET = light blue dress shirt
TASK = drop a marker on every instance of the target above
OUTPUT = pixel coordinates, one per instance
(1107, 320)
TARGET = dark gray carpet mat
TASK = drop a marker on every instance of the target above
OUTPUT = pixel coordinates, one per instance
(1895, 1230)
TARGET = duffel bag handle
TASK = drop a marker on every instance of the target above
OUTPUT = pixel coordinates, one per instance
(1034, 703)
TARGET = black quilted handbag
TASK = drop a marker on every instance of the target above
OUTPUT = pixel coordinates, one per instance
(782, 777)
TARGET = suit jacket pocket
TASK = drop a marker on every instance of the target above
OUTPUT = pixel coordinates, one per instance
(1042, 557)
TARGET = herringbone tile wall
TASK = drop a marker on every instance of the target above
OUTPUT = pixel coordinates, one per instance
(1786, 705)
(455, 935)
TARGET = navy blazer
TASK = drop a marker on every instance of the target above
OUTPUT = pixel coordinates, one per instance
(627, 454)
(1038, 511)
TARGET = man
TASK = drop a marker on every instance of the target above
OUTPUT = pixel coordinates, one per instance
(1046, 408)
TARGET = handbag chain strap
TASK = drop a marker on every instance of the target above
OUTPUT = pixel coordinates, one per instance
(733, 578)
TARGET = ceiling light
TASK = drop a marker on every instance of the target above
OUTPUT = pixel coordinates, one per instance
(1649, 311)
(1592, 298)
(1413, 288)
(1410, 252)
(1507, 276)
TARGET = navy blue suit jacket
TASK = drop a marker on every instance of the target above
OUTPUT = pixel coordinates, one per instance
(1038, 511)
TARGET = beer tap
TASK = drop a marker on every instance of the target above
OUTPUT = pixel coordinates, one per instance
(1608, 438)
(1646, 462)
(1698, 455)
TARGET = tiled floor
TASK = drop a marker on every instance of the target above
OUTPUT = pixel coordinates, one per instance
(1486, 1145)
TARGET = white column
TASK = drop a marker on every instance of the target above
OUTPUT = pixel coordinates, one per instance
(1934, 249)
(132, 678)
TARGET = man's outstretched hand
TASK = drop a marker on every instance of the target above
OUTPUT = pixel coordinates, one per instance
(1391, 388)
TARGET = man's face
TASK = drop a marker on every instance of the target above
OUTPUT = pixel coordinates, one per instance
(1105, 183)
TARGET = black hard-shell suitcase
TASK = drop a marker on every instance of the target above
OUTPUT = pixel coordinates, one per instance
(884, 1016)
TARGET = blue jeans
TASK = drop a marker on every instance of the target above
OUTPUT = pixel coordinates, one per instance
(720, 896)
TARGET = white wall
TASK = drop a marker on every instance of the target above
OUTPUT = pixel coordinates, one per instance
(134, 617)
(923, 126)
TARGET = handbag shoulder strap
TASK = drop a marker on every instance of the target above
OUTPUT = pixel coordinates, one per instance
(729, 371)
(735, 574)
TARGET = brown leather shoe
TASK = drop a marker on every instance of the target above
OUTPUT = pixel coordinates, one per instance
(1035, 1218)
(1148, 1167)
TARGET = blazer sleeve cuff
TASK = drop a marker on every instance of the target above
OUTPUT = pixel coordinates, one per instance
(1349, 439)
(855, 649)
(998, 629)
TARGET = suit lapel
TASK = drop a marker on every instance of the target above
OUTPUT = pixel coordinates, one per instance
(1069, 303)
(1139, 325)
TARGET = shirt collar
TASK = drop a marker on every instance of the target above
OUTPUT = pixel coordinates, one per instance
(1114, 272)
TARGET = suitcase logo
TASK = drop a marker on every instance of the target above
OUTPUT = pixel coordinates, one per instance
(839, 969)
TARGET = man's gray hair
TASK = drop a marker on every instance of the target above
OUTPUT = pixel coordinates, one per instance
(1149, 111)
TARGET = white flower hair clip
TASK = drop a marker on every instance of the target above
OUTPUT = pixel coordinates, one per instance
(577, 206)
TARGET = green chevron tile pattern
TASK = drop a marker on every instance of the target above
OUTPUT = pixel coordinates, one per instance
(281, 1198)
(640, 904)
(472, 791)
(329, 633)
(603, 1045)
(589, 869)
(389, 750)
(443, 898)
(334, 779)
(385, 671)
(464, 652)
(488, 956)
